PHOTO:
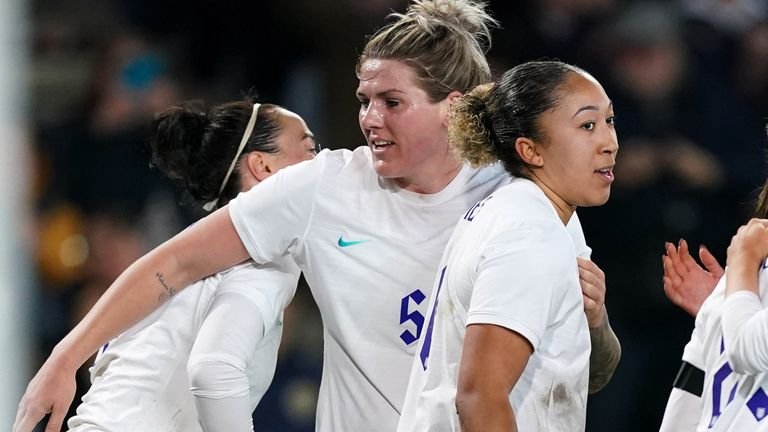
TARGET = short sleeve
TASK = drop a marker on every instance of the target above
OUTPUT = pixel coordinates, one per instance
(272, 218)
(521, 276)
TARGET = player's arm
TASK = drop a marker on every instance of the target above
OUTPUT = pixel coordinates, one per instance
(209, 246)
(491, 364)
(686, 283)
(684, 406)
(606, 349)
(745, 322)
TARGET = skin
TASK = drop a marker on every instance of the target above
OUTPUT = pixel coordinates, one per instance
(393, 108)
(747, 251)
(203, 249)
(686, 283)
(580, 139)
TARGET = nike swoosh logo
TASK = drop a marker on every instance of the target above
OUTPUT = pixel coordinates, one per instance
(344, 243)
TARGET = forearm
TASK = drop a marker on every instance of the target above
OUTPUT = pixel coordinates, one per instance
(142, 288)
(605, 355)
(745, 329)
(682, 413)
(207, 247)
(485, 412)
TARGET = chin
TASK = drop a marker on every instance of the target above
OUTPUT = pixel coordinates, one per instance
(596, 200)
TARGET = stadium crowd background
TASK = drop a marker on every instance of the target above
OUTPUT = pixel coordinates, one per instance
(689, 81)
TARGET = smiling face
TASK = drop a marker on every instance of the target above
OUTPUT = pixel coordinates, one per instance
(579, 148)
(405, 130)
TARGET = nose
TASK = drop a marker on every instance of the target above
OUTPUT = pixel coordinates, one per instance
(371, 117)
(610, 142)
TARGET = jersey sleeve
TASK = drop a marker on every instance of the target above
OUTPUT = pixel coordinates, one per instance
(272, 218)
(682, 412)
(521, 276)
(745, 330)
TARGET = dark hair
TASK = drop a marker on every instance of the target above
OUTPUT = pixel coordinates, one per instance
(194, 146)
(443, 41)
(487, 121)
(761, 206)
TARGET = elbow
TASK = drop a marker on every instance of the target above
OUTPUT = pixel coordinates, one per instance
(211, 377)
(743, 361)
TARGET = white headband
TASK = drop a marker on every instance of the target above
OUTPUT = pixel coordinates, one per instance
(248, 129)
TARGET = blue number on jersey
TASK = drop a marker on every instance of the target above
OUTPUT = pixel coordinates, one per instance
(415, 317)
(470, 214)
(757, 403)
(425, 347)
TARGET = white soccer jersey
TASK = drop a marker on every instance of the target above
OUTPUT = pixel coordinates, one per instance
(369, 251)
(731, 401)
(140, 381)
(511, 263)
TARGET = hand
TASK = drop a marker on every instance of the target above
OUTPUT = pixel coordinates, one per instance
(750, 244)
(592, 281)
(686, 283)
(50, 391)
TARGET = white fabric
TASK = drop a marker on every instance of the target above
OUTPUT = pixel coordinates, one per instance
(730, 401)
(511, 263)
(372, 295)
(140, 380)
(745, 332)
(682, 412)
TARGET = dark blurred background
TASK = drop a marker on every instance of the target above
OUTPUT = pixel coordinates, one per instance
(688, 78)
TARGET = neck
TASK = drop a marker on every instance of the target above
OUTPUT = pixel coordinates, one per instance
(563, 209)
(430, 182)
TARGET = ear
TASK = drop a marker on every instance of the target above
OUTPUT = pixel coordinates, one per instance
(257, 166)
(529, 152)
(447, 104)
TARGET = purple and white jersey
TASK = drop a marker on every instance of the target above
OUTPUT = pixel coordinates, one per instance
(734, 396)
(511, 262)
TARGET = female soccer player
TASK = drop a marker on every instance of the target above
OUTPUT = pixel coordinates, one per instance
(367, 227)
(722, 384)
(227, 326)
(507, 343)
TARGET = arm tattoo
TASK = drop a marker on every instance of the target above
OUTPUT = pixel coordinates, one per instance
(168, 292)
(605, 355)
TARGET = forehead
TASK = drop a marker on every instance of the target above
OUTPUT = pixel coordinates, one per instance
(292, 126)
(377, 75)
(580, 89)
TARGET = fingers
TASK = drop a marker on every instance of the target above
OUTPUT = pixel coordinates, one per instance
(686, 258)
(710, 262)
(26, 420)
(670, 272)
(55, 421)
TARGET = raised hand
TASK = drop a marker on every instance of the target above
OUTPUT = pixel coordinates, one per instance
(686, 283)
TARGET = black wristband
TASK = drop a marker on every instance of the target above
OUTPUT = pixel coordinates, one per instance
(690, 379)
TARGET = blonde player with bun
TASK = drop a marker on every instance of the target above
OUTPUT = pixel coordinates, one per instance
(367, 227)
(507, 343)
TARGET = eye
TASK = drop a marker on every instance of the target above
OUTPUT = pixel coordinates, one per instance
(391, 103)
(611, 120)
(590, 125)
(364, 102)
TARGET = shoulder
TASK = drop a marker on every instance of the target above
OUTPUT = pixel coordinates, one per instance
(522, 202)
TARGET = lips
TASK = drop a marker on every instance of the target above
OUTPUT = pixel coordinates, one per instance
(606, 173)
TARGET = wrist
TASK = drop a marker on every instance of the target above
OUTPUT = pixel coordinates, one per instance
(65, 357)
(598, 321)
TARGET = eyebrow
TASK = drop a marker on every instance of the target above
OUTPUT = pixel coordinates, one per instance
(308, 134)
(385, 93)
(591, 108)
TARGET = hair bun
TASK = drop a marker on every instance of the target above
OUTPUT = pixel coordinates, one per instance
(465, 15)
